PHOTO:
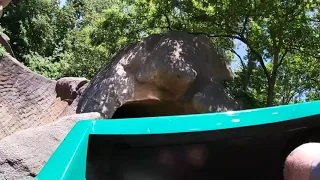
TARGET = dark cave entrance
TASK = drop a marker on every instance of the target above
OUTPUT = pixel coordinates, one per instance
(150, 108)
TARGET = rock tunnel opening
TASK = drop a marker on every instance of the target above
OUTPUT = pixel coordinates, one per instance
(150, 108)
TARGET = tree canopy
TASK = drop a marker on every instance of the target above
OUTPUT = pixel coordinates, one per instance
(282, 39)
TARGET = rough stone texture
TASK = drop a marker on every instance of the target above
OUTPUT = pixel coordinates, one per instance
(67, 87)
(71, 109)
(178, 68)
(30, 100)
(24, 153)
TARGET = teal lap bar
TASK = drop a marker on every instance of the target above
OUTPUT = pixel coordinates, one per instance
(69, 160)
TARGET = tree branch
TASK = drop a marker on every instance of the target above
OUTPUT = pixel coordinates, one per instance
(244, 40)
(168, 21)
(282, 58)
(241, 60)
(214, 36)
(245, 25)
(258, 55)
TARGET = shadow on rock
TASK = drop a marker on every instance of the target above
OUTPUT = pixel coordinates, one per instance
(177, 67)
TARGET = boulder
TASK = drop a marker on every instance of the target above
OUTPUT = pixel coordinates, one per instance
(67, 88)
(29, 100)
(164, 74)
(24, 153)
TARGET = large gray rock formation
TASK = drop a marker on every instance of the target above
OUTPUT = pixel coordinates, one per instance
(31, 111)
(24, 153)
(30, 100)
(164, 74)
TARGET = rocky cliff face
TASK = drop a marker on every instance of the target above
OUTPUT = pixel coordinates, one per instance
(176, 71)
(165, 74)
(29, 100)
(35, 115)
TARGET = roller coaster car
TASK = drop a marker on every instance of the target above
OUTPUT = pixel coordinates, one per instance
(247, 144)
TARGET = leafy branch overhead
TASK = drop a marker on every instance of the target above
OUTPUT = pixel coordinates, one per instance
(281, 38)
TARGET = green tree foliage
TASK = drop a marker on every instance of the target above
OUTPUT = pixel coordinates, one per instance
(282, 39)
(270, 29)
(36, 26)
(296, 78)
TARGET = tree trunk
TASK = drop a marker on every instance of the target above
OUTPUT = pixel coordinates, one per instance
(250, 67)
(270, 97)
(273, 77)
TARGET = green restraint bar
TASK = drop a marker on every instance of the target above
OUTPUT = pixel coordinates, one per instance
(68, 162)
